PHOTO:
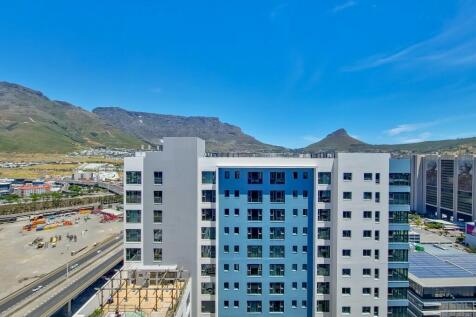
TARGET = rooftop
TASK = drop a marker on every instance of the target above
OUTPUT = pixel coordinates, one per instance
(440, 266)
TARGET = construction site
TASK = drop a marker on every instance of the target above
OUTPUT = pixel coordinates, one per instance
(39, 244)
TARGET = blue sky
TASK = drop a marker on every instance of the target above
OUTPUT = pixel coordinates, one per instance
(287, 72)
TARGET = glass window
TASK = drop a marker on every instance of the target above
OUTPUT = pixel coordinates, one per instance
(237, 174)
(208, 251)
(253, 288)
(324, 233)
(347, 195)
(347, 176)
(322, 306)
(133, 235)
(133, 178)
(276, 306)
(133, 216)
(367, 176)
(347, 233)
(158, 178)
(276, 269)
(367, 215)
(277, 178)
(133, 254)
(254, 251)
(277, 214)
(208, 270)
(276, 251)
(324, 178)
(255, 196)
(346, 214)
(254, 306)
(276, 233)
(208, 214)
(399, 198)
(208, 177)
(255, 233)
(323, 270)
(276, 288)
(133, 197)
(208, 233)
(324, 215)
(255, 177)
(277, 196)
(157, 196)
(367, 195)
(255, 214)
(324, 196)
(399, 179)
(208, 306)
(323, 251)
(157, 216)
(157, 254)
(208, 196)
(254, 269)
(157, 235)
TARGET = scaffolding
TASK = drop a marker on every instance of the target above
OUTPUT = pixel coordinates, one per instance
(143, 293)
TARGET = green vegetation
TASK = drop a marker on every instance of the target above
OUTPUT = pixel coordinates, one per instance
(96, 313)
(434, 225)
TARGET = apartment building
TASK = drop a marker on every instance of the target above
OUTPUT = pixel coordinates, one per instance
(297, 236)
(444, 186)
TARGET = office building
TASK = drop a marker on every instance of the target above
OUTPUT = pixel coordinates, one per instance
(444, 187)
(296, 236)
(442, 282)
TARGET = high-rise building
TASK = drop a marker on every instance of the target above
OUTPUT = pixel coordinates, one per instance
(444, 187)
(297, 236)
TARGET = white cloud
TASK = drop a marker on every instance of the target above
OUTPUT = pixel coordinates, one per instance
(453, 46)
(404, 128)
(343, 6)
(419, 138)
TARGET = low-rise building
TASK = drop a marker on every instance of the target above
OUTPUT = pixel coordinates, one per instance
(26, 190)
(442, 282)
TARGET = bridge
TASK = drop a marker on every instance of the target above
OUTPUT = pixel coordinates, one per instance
(61, 286)
(116, 189)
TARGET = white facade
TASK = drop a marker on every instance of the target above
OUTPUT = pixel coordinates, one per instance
(181, 163)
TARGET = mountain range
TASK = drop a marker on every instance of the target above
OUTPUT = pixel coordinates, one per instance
(32, 123)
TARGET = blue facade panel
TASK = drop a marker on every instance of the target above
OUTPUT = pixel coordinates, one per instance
(234, 239)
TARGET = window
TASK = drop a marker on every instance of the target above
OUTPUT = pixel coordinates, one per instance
(254, 251)
(294, 266)
(346, 252)
(376, 312)
(324, 178)
(157, 196)
(157, 254)
(133, 235)
(322, 306)
(377, 216)
(398, 217)
(322, 288)
(277, 214)
(226, 267)
(253, 288)
(208, 233)
(277, 178)
(276, 251)
(305, 175)
(276, 306)
(276, 288)
(237, 212)
(157, 216)
(237, 174)
(255, 196)
(208, 251)
(226, 193)
(254, 269)
(366, 291)
(133, 216)
(295, 230)
(226, 212)
(226, 286)
(366, 252)
(365, 309)
(255, 214)
(377, 235)
(226, 248)
(377, 197)
(255, 177)
(398, 236)
(295, 175)
(304, 194)
(376, 273)
(303, 303)
(236, 230)
(227, 175)
(324, 196)
(295, 248)
(237, 194)
(208, 177)
(255, 233)
(276, 233)
(208, 214)
(345, 290)
(236, 267)
(323, 251)
(208, 306)
(295, 212)
(346, 233)
(276, 269)
(347, 195)
(399, 179)
(277, 196)
(367, 215)
(304, 231)
(158, 235)
(236, 304)
(347, 214)
(208, 270)
(294, 303)
(399, 198)
(367, 176)
(295, 194)
(133, 254)
(324, 233)
(226, 230)
(346, 272)
(346, 309)
(133, 178)
(366, 272)
(158, 178)
(324, 215)
(208, 196)
(323, 270)
(133, 196)
(236, 249)
(347, 176)
(367, 234)
(254, 306)
(304, 212)
(377, 178)
(367, 195)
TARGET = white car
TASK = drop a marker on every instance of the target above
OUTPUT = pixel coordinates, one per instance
(36, 289)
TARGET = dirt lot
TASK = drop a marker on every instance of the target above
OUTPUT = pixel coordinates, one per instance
(21, 262)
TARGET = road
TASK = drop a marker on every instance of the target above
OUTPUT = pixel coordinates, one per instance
(58, 301)
(27, 291)
(116, 189)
